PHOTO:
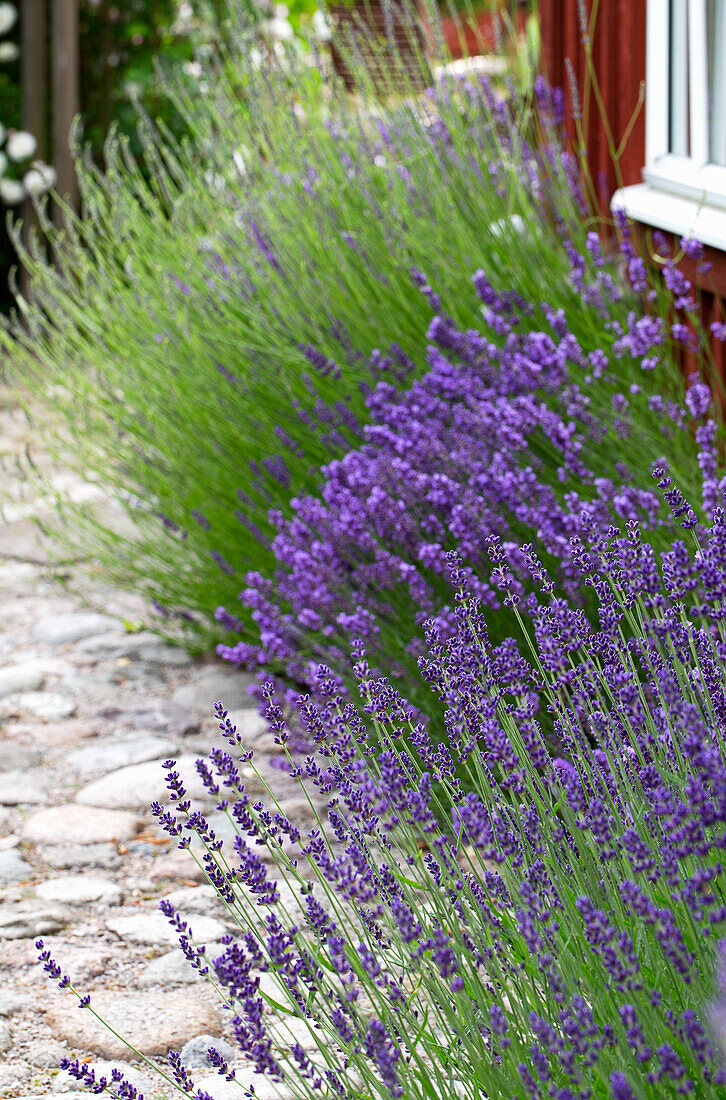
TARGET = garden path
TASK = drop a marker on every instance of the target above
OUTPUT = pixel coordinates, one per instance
(88, 710)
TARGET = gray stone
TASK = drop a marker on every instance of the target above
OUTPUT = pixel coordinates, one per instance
(151, 1022)
(79, 825)
(212, 684)
(270, 987)
(253, 730)
(23, 919)
(80, 890)
(136, 786)
(143, 647)
(85, 961)
(194, 1053)
(292, 1029)
(142, 847)
(13, 572)
(291, 901)
(50, 666)
(158, 714)
(6, 1036)
(49, 706)
(13, 868)
(154, 928)
(265, 1088)
(11, 1003)
(46, 1054)
(140, 884)
(22, 677)
(114, 646)
(142, 1080)
(19, 787)
(296, 807)
(169, 969)
(73, 627)
(14, 1074)
(177, 866)
(87, 855)
(163, 655)
(52, 735)
(196, 899)
(74, 1095)
(92, 686)
(15, 757)
(107, 756)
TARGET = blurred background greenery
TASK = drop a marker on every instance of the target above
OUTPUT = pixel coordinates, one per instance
(126, 47)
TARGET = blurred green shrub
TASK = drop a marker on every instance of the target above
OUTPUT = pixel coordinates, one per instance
(179, 339)
(124, 45)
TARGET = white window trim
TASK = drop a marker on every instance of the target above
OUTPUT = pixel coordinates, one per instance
(683, 195)
(663, 210)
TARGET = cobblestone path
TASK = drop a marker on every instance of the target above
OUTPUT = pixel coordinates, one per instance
(88, 711)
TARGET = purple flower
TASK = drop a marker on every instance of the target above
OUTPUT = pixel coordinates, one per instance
(86, 1075)
(448, 459)
(692, 248)
(605, 860)
(619, 1087)
(380, 1048)
(698, 397)
(223, 565)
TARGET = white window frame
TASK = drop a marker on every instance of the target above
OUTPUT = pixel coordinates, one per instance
(682, 194)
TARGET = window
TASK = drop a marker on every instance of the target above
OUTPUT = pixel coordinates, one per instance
(684, 187)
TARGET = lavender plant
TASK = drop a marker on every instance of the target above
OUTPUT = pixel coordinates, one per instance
(556, 934)
(500, 435)
(165, 351)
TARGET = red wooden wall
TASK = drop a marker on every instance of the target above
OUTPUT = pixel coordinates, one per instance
(618, 52)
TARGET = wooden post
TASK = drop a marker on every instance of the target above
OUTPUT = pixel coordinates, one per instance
(33, 72)
(65, 94)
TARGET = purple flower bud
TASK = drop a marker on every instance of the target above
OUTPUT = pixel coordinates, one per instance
(698, 397)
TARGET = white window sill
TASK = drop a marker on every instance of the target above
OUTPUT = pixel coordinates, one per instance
(673, 213)
(705, 183)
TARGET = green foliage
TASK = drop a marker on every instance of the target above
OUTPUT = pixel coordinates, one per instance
(166, 344)
(124, 46)
(120, 44)
(9, 98)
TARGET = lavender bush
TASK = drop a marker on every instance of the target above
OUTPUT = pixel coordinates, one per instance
(548, 928)
(205, 338)
(501, 434)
